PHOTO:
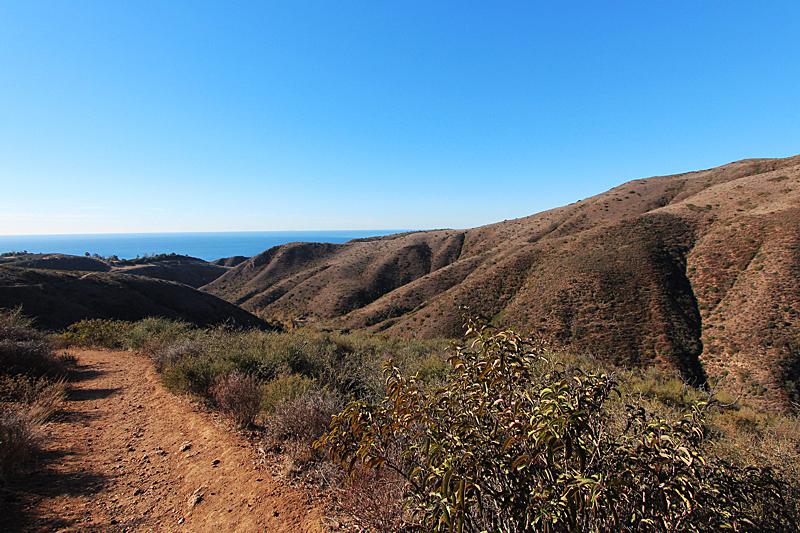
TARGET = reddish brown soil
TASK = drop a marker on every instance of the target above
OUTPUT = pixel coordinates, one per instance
(127, 455)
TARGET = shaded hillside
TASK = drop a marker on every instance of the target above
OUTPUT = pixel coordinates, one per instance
(698, 271)
(55, 262)
(194, 273)
(56, 299)
(329, 280)
(230, 261)
(183, 269)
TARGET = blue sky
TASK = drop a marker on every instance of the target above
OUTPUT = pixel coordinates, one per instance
(227, 116)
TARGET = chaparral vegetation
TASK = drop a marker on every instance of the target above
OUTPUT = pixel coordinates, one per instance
(494, 433)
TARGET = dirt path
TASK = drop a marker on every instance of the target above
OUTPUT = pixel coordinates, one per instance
(129, 456)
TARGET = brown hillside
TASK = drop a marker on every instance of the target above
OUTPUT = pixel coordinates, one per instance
(183, 269)
(194, 273)
(56, 262)
(56, 299)
(230, 261)
(698, 271)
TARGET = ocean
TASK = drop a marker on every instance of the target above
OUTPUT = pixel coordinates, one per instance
(206, 246)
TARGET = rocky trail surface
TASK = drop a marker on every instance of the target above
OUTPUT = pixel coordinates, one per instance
(125, 455)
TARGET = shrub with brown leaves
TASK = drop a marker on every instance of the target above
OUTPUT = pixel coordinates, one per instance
(238, 396)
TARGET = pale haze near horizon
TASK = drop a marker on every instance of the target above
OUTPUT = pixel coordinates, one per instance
(262, 116)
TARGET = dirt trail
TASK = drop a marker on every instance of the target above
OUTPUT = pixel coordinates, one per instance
(126, 455)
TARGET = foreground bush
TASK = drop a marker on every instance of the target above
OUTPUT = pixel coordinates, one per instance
(296, 423)
(238, 396)
(513, 442)
(23, 349)
(31, 389)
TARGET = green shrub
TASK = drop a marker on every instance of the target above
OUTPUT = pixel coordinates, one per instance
(284, 388)
(97, 333)
(151, 334)
(196, 375)
(514, 442)
(171, 353)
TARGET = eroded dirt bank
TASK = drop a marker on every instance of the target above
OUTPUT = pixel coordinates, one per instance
(126, 455)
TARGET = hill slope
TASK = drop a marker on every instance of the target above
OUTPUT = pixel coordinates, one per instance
(183, 269)
(698, 271)
(56, 299)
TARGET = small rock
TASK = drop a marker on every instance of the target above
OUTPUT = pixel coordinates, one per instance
(186, 446)
(196, 497)
(215, 462)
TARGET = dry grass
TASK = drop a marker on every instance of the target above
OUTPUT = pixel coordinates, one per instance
(375, 498)
(26, 406)
(32, 388)
(298, 422)
(238, 396)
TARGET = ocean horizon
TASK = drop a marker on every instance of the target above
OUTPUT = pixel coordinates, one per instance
(208, 246)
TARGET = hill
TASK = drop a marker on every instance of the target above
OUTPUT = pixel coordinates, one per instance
(190, 271)
(57, 299)
(194, 273)
(696, 271)
(55, 262)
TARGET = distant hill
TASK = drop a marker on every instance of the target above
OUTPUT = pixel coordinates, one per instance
(230, 261)
(56, 299)
(183, 269)
(55, 262)
(697, 271)
(194, 273)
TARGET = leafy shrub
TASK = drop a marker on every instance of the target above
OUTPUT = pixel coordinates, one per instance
(151, 334)
(238, 396)
(284, 388)
(96, 333)
(171, 353)
(513, 442)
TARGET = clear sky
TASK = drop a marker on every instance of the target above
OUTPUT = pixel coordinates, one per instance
(225, 116)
